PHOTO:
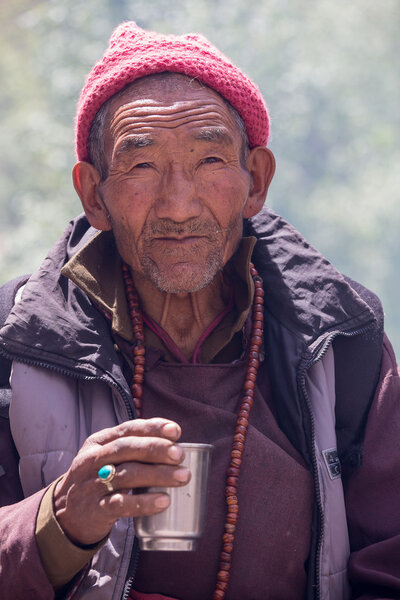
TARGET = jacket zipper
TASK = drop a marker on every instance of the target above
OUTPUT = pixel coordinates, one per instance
(131, 412)
(319, 355)
(133, 563)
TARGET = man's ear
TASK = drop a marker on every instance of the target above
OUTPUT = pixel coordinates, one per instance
(261, 166)
(86, 180)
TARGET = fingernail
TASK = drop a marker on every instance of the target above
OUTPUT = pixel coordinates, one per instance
(175, 452)
(171, 430)
(181, 474)
(161, 501)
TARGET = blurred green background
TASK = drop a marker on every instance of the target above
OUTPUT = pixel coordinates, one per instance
(329, 70)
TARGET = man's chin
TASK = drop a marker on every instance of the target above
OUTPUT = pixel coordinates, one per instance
(181, 278)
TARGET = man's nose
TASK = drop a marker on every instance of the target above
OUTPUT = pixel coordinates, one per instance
(178, 199)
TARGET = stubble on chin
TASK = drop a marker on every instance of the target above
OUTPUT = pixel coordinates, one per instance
(183, 277)
(182, 270)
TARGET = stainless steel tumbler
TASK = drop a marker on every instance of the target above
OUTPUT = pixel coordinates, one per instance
(182, 523)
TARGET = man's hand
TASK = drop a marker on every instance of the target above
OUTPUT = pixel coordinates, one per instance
(144, 454)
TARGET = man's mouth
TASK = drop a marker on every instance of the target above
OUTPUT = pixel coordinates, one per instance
(180, 240)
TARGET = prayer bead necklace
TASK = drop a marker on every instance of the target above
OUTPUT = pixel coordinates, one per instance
(242, 420)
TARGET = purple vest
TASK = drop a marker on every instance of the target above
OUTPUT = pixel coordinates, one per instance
(275, 490)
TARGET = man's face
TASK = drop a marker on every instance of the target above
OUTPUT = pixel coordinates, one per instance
(176, 188)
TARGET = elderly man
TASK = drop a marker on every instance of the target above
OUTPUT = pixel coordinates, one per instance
(148, 323)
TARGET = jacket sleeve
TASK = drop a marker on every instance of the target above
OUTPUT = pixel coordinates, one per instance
(21, 572)
(61, 558)
(373, 494)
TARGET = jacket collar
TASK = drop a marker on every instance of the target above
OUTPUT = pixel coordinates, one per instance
(304, 292)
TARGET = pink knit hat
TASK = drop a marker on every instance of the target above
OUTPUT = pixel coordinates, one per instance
(134, 53)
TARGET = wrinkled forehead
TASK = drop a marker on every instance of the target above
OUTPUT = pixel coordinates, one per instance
(167, 93)
(165, 85)
(165, 82)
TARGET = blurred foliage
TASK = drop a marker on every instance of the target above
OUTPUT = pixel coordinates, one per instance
(328, 70)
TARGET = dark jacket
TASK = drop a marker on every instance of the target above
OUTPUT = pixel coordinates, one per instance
(309, 308)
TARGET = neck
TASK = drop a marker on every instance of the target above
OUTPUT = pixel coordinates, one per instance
(183, 316)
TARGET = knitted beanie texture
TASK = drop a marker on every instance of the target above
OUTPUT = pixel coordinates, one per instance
(134, 53)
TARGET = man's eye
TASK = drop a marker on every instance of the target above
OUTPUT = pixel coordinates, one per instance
(142, 165)
(211, 159)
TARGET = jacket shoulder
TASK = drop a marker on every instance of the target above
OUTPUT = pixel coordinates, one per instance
(8, 292)
(371, 299)
(357, 367)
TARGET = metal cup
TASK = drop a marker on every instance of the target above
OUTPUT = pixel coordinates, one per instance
(182, 523)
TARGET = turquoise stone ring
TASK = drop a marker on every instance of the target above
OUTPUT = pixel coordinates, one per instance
(107, 474)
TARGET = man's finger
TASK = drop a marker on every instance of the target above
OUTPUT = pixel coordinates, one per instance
(139, 475)
(141, 449)
(119, 504)
(155, 427)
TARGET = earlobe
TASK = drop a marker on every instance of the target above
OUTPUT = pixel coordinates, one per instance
(261, 166)
(86, 181)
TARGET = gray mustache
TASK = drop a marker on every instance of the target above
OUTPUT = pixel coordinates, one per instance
(167, 226)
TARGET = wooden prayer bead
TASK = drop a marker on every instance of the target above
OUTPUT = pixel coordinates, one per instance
(233, 471)
(231, 519)
(139, 351)
(251, 377)
(241, 429)
(252, 370)
(254, 362)
(222, 585)
(225, 557)
(249, 385)
(232, 481)
(243, 413)
(238, 446)
(137, 390)
(231, 500)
